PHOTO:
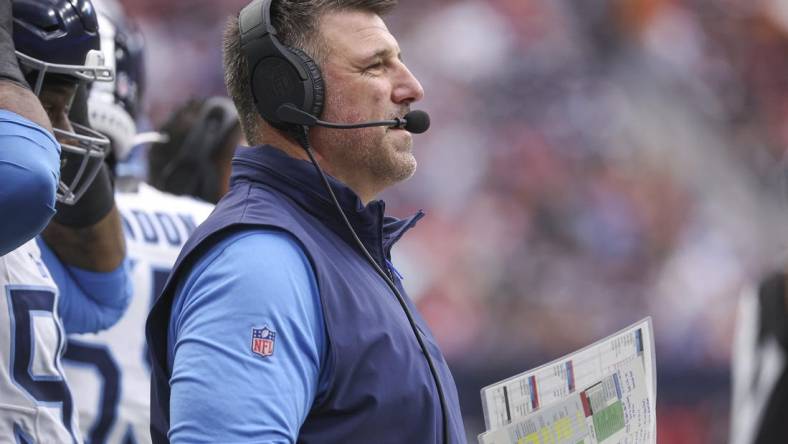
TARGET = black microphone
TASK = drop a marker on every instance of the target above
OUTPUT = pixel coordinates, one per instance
(415, 122)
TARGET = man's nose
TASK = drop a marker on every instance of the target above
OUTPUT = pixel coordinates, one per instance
(407, 88)
(60, 121)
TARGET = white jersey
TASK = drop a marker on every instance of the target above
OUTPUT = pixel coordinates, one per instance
(35, 403)
(109, 372)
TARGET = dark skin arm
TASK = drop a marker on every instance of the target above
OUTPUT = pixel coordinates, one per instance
(100, 247)
(15, 98)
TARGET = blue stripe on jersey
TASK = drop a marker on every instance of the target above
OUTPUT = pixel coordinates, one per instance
(29, 173)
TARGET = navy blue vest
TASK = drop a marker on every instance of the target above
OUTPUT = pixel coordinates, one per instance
(381, 389)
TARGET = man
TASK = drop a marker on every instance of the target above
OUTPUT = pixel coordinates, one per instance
(274, 326)
(109, 372)
(759, 370)
(72, 278)
(759, 356)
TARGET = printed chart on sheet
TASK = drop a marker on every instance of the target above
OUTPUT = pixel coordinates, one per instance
(604, 393)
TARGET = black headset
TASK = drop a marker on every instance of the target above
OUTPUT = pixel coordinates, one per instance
(192, 171)
(279, 74)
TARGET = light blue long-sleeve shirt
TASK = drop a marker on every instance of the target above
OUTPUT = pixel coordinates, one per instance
(89, 301)
(221, 390)
(29, 173)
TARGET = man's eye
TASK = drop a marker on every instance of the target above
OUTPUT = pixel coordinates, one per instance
(374, 66)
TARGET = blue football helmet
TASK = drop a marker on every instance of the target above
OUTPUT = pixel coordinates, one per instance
(114, 107)
(59, 39)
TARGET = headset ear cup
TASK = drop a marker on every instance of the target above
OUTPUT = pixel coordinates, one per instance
(316, 77)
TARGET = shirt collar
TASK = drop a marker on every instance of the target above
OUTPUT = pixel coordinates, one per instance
(298, 179)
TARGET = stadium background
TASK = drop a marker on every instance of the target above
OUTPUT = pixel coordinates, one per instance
(589, 163)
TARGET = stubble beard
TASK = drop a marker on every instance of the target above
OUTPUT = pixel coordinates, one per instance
(375, 155)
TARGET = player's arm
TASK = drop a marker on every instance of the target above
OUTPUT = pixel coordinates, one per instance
(89, 301)
(88, 234)
(17, 98)
(84, 249)
(97, 246)
(29, 154)
(221, 390)
(15, 93)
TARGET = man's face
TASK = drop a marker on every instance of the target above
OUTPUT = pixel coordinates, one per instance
(56, 98)
(365, 79)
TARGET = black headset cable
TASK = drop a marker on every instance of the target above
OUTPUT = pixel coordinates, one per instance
(401, 299)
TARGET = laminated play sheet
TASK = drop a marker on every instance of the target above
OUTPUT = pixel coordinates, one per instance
(604, 393)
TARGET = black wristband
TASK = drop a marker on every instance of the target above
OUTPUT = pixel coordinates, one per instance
(9, 66)
(94, 205)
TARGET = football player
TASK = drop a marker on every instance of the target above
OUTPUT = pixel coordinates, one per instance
(71, 278)
(110, 370)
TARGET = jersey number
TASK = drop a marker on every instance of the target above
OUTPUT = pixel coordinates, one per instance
(25, 304)
(100, 358)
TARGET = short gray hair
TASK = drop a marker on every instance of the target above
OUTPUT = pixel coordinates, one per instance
(296, 23)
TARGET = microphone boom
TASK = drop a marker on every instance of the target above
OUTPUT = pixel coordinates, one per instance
(416, 121)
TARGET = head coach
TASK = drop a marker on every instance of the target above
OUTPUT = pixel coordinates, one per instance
(284, 319)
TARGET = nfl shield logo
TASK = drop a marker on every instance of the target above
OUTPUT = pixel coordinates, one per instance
(263, 341)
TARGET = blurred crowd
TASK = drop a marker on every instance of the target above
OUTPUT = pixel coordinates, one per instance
(590, 163)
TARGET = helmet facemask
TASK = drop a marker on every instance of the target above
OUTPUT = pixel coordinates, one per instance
(83, 149)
